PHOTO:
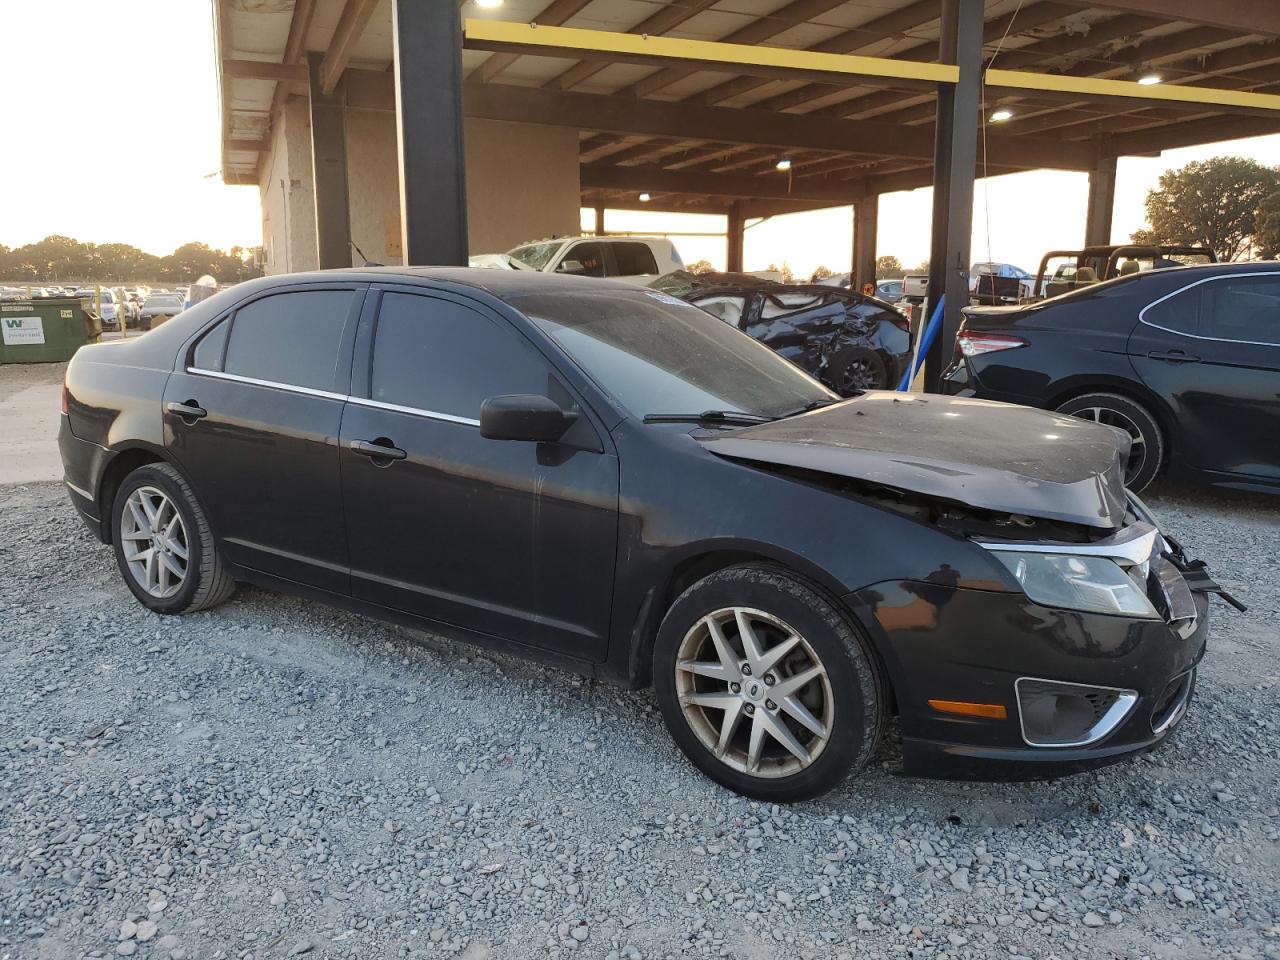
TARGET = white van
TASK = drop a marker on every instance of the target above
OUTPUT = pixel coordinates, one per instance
(637, 259)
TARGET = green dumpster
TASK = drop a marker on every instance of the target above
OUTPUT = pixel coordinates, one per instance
(45, 331)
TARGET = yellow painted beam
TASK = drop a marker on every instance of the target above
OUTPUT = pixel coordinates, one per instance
(1160, 92)
(557, 41)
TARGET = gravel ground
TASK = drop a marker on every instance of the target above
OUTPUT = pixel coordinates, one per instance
(276, 778)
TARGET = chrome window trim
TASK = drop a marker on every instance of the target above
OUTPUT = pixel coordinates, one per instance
(413, 411)
(1106, 724)
(330, 395)
(1142, 314)
(253, 381)
(1132, 545)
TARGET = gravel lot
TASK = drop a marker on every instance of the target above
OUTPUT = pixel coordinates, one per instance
(275, 777)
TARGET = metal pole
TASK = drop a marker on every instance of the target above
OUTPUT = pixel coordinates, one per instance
(427, 47)
(866, 217)
(599, 221)
(329, 171)
(1102, 198)
(954, 160)
(734, 238)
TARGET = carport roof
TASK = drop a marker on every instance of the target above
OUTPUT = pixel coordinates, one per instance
(696, 135)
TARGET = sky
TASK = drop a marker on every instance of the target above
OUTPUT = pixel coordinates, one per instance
(111, 134)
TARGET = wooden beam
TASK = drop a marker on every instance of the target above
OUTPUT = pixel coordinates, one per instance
(1190, 133)
(654, 179)
(263, 70)
(779, 62)
(350, 28)
(1245, 16)
(246, 146)
(551, 16)
(780, 131)
(294, 47)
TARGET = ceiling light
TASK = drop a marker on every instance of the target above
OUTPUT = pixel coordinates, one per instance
(645, 198)
(1149, 79)
(1000, 115)
(489, 4)
(783, 164)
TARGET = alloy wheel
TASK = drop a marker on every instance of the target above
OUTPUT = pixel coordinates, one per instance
(754, 692)
(1114, 418)
(859, 375)
(154, 541)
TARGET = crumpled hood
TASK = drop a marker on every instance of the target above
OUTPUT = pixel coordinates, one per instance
(991, 456)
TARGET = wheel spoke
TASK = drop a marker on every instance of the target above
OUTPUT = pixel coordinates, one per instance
(135, 535)
(728, 727)
(750, 642)
(715, 701)
(171, 565)
(703, 668)
(778, 730)
(728, 658)
(797, 710)
(755, 746)
(150, 510)
(150, 572)
(177, 548)
(775, 654)
(793, 685)
(140, 517)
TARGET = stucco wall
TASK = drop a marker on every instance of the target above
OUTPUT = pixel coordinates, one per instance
(522, 184)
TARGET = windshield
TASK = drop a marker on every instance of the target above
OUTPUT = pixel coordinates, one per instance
(536, 255)
(659, 355)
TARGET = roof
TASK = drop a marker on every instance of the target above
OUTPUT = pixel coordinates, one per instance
(696, 136)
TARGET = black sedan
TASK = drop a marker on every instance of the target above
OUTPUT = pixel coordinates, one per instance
(610, 479)
(1185, 360)
(848, 341)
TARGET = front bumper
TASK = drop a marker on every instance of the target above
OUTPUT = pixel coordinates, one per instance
(960, 644)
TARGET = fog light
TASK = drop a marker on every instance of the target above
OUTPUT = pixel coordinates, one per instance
(1059, 714)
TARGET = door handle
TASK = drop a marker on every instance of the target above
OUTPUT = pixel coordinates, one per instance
(377, 451)
(1173, 356)
(187, 410)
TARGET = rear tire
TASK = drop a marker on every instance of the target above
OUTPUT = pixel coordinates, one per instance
(163, 545)
(1147, 455)
(813, 732)
(855, 369)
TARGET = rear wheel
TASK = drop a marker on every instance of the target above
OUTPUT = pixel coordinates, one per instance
(766, 686)
(1146, 451)
(854, 369)
(163, 544)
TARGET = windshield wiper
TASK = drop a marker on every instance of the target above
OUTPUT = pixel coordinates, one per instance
(811, 405)
(707, 416)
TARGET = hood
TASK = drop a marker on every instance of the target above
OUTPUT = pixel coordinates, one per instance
(990, 456)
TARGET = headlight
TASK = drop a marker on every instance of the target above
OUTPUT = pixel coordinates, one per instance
(1091, 584)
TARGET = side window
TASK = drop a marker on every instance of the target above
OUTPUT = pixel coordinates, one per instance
(634, 259)
(1242, 307)
(781, 304)
(1180, 313)
(441, 357)
(589, 255)
(729, 309)
(291, 338)
(209, 351)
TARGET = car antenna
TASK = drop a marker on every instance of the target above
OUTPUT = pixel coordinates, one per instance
(367, 261)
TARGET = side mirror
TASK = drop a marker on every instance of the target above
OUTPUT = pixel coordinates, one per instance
(524, 416)
(571, 266)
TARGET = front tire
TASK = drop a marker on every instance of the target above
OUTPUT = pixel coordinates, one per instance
(766, 685)
(163, 545)
(1147, 453)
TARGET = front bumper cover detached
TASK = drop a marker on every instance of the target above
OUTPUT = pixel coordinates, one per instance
(974, 645)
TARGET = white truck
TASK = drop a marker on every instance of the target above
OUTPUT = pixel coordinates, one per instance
(636, 259)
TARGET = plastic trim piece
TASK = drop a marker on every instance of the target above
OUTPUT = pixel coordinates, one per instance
(1107, 723)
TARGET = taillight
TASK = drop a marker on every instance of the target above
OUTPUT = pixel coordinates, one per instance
(972, 343)
(64, 398)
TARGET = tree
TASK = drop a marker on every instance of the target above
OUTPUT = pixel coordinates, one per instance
(821, 273)
(58, 259)
(784, 271)
(1268, 236)
(1213, 203)
(701, 266)
(888, 266)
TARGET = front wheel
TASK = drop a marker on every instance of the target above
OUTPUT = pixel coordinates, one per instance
(766, 686)
(164, 547)
(1146, 450)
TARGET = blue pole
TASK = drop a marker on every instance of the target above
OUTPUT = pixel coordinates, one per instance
(922, 348)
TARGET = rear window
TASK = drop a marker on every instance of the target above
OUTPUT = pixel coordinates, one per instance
(634, 259)
(289, 338)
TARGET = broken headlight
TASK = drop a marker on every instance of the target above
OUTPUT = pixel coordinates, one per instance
(1093, 584)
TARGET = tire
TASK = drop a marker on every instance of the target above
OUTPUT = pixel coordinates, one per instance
(849, 703)
(1147, 456)
(854, 369)
(205, 581)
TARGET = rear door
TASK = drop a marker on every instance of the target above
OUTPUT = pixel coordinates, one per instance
(253, 417)
(512, 539)
(1212, 351)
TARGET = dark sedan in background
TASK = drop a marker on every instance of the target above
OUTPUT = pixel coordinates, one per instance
(848, 341)
(1184, 360)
